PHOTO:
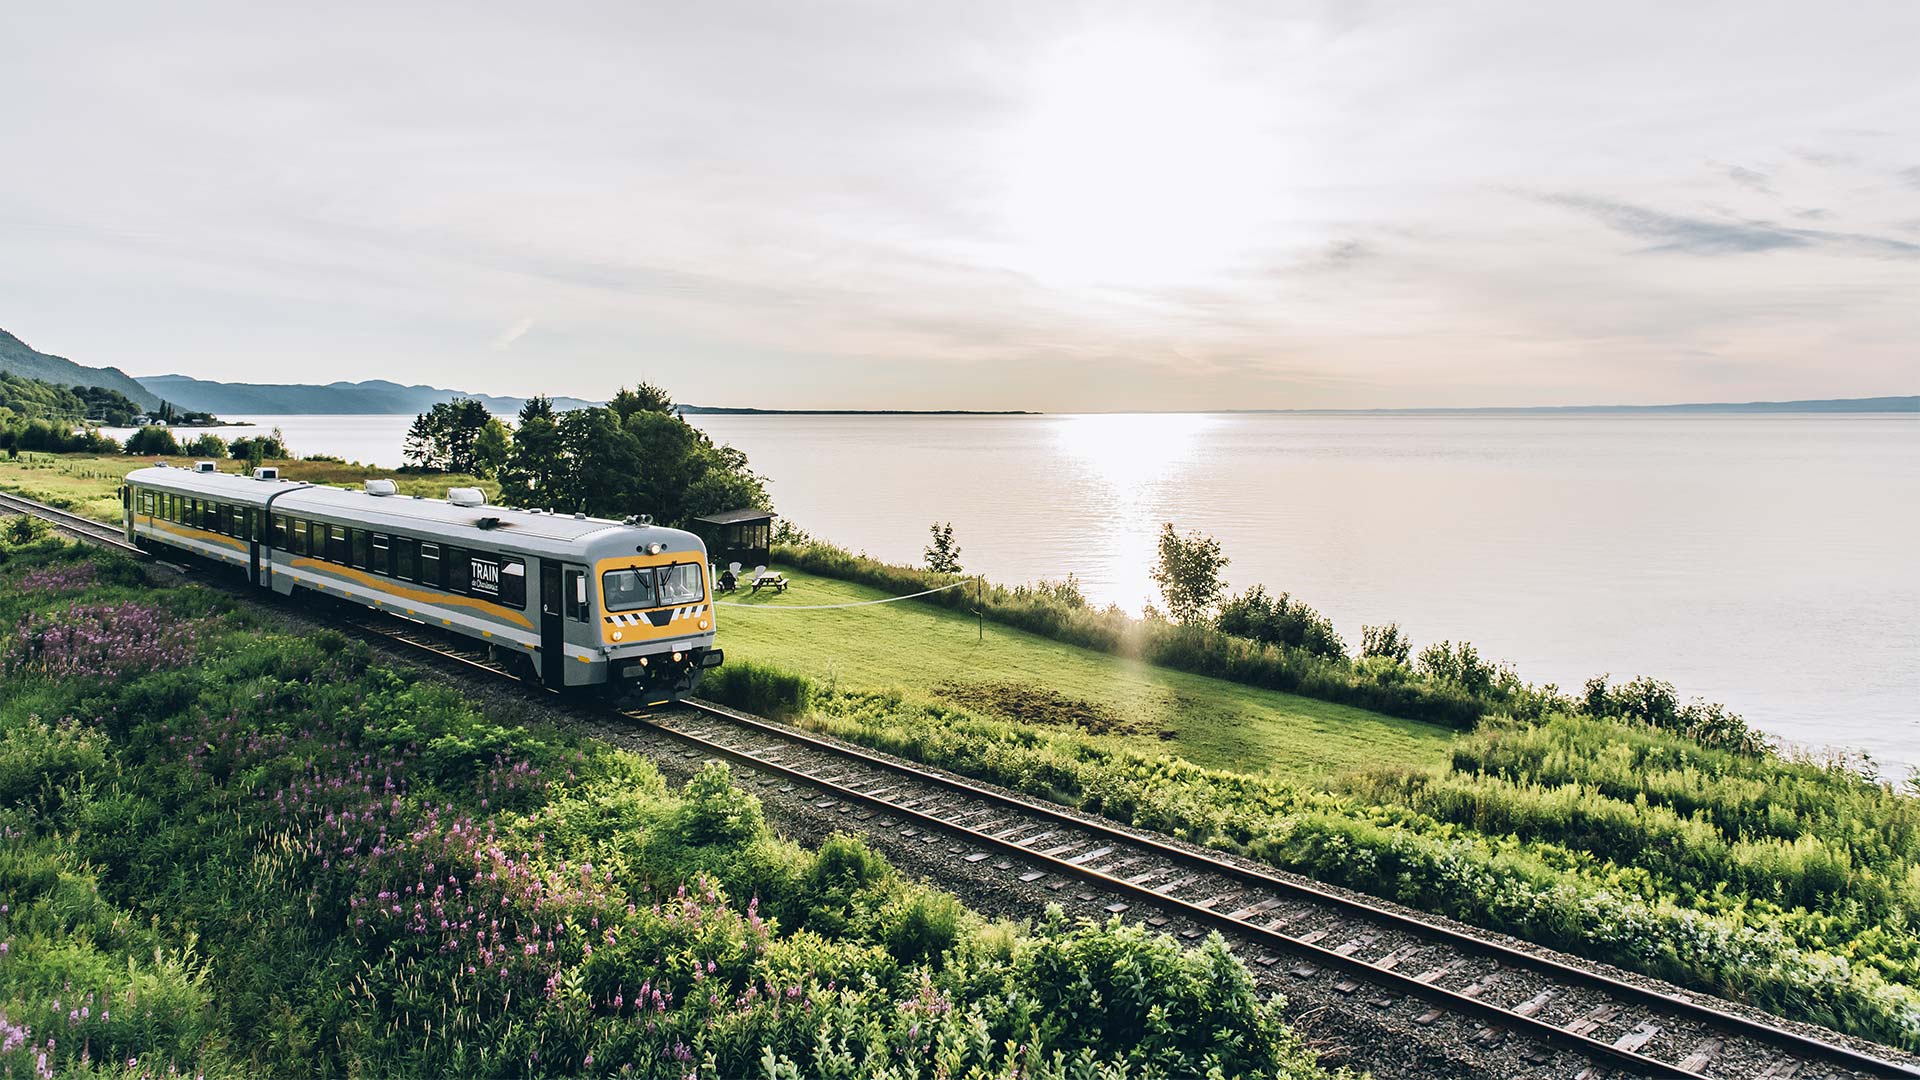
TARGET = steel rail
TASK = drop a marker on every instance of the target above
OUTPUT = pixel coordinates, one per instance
(1544, 1031)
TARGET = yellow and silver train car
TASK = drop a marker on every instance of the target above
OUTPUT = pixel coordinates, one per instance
(566, 600)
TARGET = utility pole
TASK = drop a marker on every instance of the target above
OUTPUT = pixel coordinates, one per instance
(980, 606)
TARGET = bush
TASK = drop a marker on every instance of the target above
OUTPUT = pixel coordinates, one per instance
(1280, 620)
(756, 688)
(207, 445)
(153, 442)
(1385, 643)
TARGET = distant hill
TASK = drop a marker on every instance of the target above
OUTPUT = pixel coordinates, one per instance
(19, 358)
(1811, 405)
(237, 400)
(1814, 405)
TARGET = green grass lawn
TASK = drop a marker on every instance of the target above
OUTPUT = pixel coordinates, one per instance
(936, 652)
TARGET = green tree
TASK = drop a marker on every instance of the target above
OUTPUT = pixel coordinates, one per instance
(643, 398)
(634, 456)
(535, 470)
(208, 445)
(255, 449)
(443, 438)
(1188, 573)
(153, 440)
(1385, 641)
(943, 554)
(491, 448)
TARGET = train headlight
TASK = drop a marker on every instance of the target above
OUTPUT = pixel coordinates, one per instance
(678, 657)
(616, 635)
(643, 661)
(703, 624)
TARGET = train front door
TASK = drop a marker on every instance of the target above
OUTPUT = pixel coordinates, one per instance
(553, 652)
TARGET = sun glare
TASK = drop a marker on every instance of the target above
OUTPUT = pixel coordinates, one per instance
(1139, 165)
(1128, 462)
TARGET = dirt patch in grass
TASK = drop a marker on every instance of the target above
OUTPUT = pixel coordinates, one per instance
(1030, 704)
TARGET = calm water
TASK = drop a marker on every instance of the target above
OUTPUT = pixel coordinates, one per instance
(371, 440)
(1770, 562)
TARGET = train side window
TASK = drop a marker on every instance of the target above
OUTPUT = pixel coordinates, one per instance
(359, 541)
(405, 562)
(336, 543)
(576, 592)
(296, 536)
(430, 565)
(459, 571)
(513, 582)
(381, 550)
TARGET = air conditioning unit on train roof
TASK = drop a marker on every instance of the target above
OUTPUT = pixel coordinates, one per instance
(380, 487)
(205, 466)
(466, 497)
(266, 472)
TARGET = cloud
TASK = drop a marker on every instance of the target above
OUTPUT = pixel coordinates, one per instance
(1705, 236)
(513, 333)
(1752, 178)
(1911, 177)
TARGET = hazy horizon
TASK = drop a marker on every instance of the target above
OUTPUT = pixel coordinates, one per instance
(1067, 208)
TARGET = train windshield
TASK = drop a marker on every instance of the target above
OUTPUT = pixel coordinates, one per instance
(680, 583)
(629, 589)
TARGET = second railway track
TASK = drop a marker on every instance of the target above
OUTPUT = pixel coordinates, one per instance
(1559, 1011)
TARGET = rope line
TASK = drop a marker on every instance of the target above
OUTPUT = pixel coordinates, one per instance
(830, 607)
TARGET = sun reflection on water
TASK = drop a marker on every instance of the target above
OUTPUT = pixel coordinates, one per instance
(1131, 462)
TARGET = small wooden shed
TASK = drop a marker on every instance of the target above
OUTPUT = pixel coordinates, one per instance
(737, 536)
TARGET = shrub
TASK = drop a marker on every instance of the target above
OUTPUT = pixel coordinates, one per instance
(1280, 620)
(207, 445)
(1384, 642)
(756, 688)
(153, 441)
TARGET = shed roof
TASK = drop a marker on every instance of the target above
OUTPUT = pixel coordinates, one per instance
(737, 517)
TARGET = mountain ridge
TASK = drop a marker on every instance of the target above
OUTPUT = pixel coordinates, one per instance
(19, 358)
(341, 397)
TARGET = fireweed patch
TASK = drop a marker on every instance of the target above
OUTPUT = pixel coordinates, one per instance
(106, 640)
(269, 857)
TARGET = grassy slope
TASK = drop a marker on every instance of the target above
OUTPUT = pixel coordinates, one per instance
(918, 648)
(1212, 722)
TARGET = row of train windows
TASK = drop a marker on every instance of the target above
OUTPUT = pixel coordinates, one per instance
(488, 576)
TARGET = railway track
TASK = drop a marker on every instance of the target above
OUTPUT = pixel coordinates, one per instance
(72, 524)
(1567, 1019)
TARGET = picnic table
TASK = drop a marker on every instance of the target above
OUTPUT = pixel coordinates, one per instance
(770, 579)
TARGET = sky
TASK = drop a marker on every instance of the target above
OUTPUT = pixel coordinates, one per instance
(1044, 206)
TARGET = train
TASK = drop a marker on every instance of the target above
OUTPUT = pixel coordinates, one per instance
(567, 601)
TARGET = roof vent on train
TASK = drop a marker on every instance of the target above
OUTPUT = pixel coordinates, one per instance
(266, 472)
(466, 497)
(205, 466)
(380, 487)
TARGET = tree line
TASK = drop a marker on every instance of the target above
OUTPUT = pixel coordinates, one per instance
(633, 455)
